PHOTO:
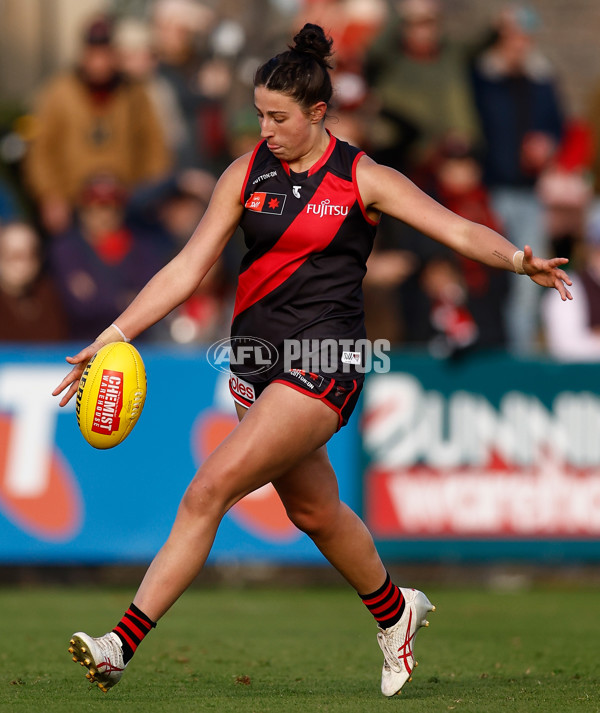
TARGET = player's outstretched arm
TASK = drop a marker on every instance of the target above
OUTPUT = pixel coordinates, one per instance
(178, 279)
(385, 190)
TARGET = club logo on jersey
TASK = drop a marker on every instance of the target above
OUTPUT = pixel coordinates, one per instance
(296, 191)
(325, 208)
(266, 203)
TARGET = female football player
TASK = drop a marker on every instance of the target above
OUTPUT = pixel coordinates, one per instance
(309, 205)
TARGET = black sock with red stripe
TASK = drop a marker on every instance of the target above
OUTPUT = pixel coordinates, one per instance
(132, 628)
(386, 604)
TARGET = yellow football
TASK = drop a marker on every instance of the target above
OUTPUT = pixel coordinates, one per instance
(111, 395)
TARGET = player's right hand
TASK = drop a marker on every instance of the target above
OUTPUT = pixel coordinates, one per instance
(71, 380)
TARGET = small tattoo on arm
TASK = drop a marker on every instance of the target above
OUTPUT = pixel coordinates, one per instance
(501, 256)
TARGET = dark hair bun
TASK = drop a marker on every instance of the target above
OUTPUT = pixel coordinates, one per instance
(302, 71)
(312, 40)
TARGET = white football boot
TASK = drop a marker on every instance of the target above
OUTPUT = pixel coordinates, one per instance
(397, 642)
(102, 656)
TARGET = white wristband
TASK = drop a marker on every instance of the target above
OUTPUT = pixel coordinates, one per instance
(517, 263)
(120, 331)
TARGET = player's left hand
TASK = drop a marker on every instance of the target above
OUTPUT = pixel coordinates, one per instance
(547, 273)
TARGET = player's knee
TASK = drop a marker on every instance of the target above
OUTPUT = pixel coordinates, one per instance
(216, 486)
(315, 521)
(204, 495)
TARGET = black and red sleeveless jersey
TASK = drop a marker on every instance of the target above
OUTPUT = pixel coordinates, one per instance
(308, 238)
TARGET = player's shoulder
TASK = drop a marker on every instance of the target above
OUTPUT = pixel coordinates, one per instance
(236, 172)
(242, 164)
(365, 160)
(374, 180)
(234, 177)
(367, 168)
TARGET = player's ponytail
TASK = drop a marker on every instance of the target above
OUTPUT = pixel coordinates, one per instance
(302, 72)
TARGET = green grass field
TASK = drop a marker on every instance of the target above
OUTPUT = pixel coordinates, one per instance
(274, 651)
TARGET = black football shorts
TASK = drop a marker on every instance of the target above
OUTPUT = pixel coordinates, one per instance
(341, 396)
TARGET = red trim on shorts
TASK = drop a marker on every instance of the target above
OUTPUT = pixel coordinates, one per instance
(239, 399)
(321, 397)
(358, 196)
(328, 389)
(249, 171)
(349, 395)
(304, 390)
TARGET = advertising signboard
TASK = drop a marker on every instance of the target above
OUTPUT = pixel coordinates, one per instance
(62, 501)
(485, 457)
(482, 459)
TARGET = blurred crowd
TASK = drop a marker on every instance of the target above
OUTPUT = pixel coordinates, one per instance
(122, 151)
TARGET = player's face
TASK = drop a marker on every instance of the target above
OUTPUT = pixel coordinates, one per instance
(288, 130)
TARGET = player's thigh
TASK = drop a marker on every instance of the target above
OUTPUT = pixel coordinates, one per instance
(279, 431)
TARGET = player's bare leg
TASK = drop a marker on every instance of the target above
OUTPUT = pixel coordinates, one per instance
(309, 493)
(280, 430)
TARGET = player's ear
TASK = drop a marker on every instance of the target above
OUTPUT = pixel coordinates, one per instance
(317, 112)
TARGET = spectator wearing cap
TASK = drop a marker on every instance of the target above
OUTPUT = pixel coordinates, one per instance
(573, 334)
(91, 120)
(517, 99)
(100, 262)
